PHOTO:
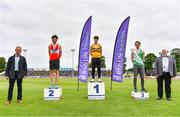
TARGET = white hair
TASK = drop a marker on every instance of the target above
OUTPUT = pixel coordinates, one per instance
(19, 47)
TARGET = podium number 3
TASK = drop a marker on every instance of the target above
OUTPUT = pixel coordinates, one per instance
(51, 92)
(97, 88)
(142, 94)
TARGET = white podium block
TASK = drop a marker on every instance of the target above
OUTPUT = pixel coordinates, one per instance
(52, 94)
(140, 95)
(96, 91)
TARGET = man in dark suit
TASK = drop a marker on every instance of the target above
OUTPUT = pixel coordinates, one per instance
(165, 69)
(16, 70)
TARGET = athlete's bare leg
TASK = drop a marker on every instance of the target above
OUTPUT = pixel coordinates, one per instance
(57, 77)
(52, 77)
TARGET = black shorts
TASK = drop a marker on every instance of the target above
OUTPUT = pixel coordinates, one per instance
(54, 64)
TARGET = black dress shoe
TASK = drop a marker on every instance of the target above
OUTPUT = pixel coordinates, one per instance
(158, 98)
(168, 99)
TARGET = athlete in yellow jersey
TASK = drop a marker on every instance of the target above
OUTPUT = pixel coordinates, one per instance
(96, 53)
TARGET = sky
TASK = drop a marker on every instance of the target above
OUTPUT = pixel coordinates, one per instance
(31, 23)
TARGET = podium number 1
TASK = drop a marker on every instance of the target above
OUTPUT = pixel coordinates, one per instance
(51, 92)
(97, 88)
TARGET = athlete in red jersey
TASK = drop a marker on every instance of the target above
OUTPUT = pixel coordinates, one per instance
(55, 51)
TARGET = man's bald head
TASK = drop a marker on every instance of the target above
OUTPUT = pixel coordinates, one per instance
(164, 52)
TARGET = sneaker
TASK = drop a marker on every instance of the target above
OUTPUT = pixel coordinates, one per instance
(135, 90)
(144, 90)
(7, 102)
(92, 80)
(99, 80)
(56, 87)
(51, 87)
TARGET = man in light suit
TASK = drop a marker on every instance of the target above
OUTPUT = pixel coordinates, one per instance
(165, 69)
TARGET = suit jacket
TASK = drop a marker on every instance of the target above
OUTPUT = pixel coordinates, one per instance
(10, 69)
(159, 66)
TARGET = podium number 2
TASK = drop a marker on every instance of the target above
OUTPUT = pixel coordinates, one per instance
(51, 92)
(97, 88)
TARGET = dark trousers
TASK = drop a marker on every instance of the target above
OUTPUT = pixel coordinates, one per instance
(167, 77)
(138, 69)
(96, 62)
(11, 86)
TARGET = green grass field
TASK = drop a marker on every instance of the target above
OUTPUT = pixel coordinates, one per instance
(118, 102)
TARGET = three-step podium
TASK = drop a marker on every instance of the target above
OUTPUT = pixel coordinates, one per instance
(52, 94)
(96, 91)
